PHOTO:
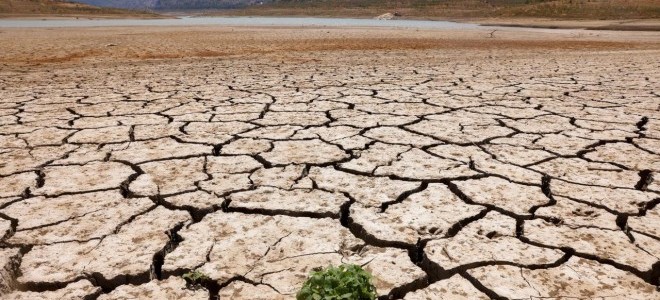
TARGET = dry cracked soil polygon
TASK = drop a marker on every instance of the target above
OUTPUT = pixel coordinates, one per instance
(448, 178)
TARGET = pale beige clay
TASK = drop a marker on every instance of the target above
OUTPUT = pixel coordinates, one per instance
(449, 164)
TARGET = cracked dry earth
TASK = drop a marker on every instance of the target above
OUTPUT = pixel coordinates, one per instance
(450, 177)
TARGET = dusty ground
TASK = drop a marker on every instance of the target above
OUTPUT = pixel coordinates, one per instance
(450, 164)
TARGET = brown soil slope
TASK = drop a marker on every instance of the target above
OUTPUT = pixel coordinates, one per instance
(43, 8)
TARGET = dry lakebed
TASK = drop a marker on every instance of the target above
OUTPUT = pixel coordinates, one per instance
(451, 163)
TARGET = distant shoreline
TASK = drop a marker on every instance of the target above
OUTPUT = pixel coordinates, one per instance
(617, 25)
(611, 19)
(625, 24)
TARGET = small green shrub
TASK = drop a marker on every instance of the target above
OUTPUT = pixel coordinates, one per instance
(346, 282)
(195, 277)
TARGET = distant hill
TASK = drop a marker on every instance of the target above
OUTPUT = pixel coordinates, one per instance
(173, 4)
(11, 8)
(443, 9)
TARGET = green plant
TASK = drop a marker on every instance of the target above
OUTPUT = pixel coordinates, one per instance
(346, 282)
(195, 277)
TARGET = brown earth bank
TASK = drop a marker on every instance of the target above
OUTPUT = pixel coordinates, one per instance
(621, 25)
(50, 9)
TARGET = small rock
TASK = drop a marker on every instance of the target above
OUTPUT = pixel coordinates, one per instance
(387, 16)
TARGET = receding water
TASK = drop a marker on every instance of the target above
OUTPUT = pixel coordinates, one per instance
(237, 21)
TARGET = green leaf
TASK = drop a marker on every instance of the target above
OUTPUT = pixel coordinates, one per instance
(345, 282)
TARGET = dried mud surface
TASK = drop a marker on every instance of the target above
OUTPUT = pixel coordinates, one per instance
(468, 172)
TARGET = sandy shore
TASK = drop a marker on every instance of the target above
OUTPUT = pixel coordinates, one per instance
(520, 163)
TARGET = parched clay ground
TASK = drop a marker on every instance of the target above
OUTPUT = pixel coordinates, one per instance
(460, 167)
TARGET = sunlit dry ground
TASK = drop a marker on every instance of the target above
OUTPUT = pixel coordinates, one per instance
(448, 163)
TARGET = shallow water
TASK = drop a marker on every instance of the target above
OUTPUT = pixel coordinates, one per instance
(238, 21)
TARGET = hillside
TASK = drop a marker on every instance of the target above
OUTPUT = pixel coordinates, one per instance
(562, 9)
(452, 9)
(171, 4)
(43, 8)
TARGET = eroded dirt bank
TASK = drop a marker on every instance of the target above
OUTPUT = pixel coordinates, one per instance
(449, 164)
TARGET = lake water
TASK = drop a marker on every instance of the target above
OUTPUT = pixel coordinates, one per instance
(237, 21)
